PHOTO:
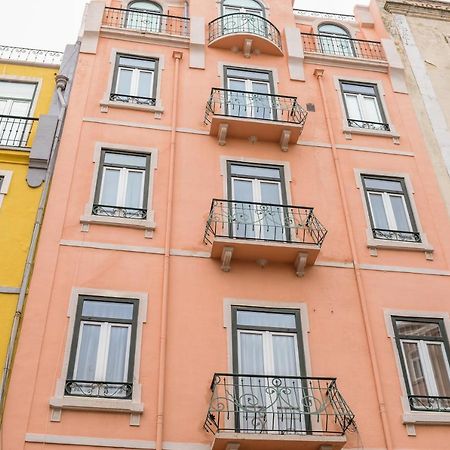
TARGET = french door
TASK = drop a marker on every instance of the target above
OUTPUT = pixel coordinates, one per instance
(244, 20)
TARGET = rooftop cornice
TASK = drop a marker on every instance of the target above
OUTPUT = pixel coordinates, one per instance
(429, 9)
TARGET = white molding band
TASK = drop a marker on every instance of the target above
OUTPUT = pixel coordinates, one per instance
(416, 270)
(9, 290)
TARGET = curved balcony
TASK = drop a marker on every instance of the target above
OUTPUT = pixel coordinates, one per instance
(245, 32)
(262, 412)
(263, 233)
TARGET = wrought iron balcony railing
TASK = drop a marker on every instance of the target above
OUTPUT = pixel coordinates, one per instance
(253, 105)
(363, 124)
(132, 99)
(119, 211)
(244, 23)
(146, 22)
(31, 55)
(425, 403)
(342, 46)
(397, 235)
(15, 131)
(263, 222)
(325, 15)
(277, 405)
(99, 389)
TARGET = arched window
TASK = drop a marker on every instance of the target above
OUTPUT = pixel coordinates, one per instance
(243, 6)
(144, 16)
(335, 40)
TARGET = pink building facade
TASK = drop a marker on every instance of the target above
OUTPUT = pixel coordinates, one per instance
(244, 244)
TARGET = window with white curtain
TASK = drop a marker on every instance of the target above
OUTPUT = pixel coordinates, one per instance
(122, 185)
(423, 347)
(102, 351)
(363, 106)
(390, 209)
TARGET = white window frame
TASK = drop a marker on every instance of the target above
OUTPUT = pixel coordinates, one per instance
(133, 406)
(148, 224)
(4, 188)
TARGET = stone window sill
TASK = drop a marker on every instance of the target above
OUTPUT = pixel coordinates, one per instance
(348, 131)
(430, 418)
(158, 109)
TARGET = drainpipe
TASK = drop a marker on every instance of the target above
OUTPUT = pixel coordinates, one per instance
(166, 267)
(318, 73)
(61, 84)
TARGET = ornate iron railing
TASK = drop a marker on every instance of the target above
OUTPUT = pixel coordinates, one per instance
(341, 46)
(263, 222)
(119, 211)
(146, 22)
(425, 403)
(282, 405)
(123, 98)
(15, 131)
(253, 105)
(364, 124)
(244, 23)
(396, 235)
(32, 55)
(99, 389)
(325, 15)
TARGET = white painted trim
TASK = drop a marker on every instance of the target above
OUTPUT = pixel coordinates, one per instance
(416, 270)
(176, 252)
(7, 175)
(26, 79)
(336, 264)
(9, 290)
(59, 401)
(384, 243)
(116, 247)
(126, 124)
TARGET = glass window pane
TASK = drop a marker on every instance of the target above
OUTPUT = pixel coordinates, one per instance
(266, 319)
(378, 211)
(1, 182)
(137, 62)
(9, 89)
(112, 310)
(145, 85)
(371, 110)
(117, 354)
(133, 195)
(251, 356)
(400, 213)
(256, 171)
(248, 74)
(332, 29)
(123, 159)
(383, 184)
(285, 355)
(124, 81)
(242, 190)
(415, 369)
(243, 4)
(439, 363)
(270, 193)
(110, 186)
(362, 89)
(146, 6)
(19, 108)
(418, 329)
(87, 352)
(353, 109)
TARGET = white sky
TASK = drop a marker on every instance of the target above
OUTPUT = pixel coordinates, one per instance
(51, 24)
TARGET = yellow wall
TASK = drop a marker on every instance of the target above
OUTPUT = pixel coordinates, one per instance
(19, 206)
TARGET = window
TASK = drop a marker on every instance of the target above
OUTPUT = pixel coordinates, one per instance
(335, 40)
(5, 181)
(389, 208)
(363, 106)
(102, 351)
(144, 16)
(1, 182)
(134, 80)
(122, 185)
(242, 6)
(15, 106)
(424, 352)
(249, 93)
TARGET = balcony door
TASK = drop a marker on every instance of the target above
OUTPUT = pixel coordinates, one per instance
(245, 18)
(335, 40)
(249, 94)
(268, 364)
(257, 202)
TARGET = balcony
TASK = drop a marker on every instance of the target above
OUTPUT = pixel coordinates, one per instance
(246, 32)
(254, 116)
(98, 389)
(324, 15)
(16, 131)
(145, 22)
(343, 47)
(261, 412)
(429, 403)
(263, 233)
(397, 235)
(30, 55)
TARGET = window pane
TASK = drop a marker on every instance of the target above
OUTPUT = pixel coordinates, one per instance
(145, 6)
(19, 108)
(401, 218)
(110, 185)
(332, 29)
(251, 357)
(10, 89)
(383, 184)
(243, 4)
(378, 211)
(145, 85)
(440, 369)
(123, 159)
(255, 171)
(353, 110)
(137, 63)
(415, 369)
(87, 352)
(270, 193)
(113, 310)
(363, 89)
(285, 355)
(1, 182)
(242, 190)
(117, 354)
(371, 111)
(248, 74)
(418, 329)
(265, 319)
(124, 81)
(133, 195)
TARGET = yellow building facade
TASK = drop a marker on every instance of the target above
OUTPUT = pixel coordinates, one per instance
(27, 85)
